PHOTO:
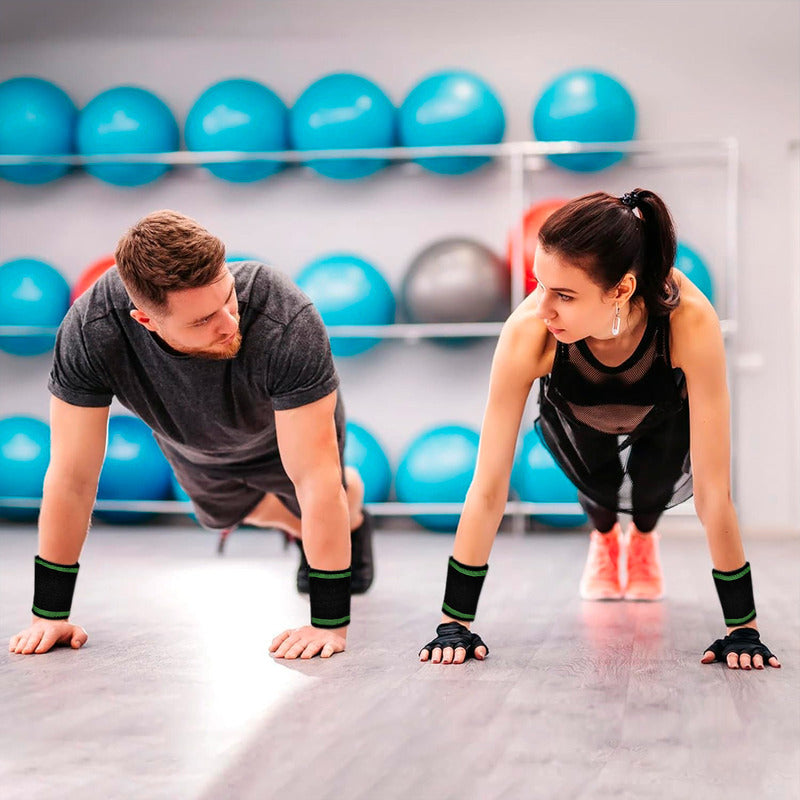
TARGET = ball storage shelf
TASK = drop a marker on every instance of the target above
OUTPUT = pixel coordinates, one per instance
(522, 160)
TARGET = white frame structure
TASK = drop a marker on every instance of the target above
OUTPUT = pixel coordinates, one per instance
(521, 159)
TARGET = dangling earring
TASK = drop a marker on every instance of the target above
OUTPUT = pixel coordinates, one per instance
(615, 323)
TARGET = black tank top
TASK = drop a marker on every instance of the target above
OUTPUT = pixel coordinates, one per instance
(621, 434)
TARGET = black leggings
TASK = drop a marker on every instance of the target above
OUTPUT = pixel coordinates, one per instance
(653, 469)
(604, 520)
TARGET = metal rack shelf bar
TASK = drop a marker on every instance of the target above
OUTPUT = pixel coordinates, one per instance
(513, 507)
(709, 148)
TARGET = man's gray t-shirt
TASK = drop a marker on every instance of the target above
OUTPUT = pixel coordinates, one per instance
(216, 415)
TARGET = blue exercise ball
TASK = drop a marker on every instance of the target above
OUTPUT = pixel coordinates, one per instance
(363, 452)
(234, 257)
(341, 112)
(437, 467)
(692, 265)
(36, 118)
(451, 108)
(584, 105)
(24, 458)
(31, 293)
(239, 114)
(538, 479)
(127, 119)
(134, 469)
(347, 290)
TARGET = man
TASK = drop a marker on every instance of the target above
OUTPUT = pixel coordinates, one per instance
(231, 368)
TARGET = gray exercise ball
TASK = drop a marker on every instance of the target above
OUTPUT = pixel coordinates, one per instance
(456, 280)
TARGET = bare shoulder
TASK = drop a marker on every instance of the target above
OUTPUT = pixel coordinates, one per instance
(695, 330)
(526, 343)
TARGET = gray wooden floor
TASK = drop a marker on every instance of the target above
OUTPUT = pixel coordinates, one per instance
(175, 695)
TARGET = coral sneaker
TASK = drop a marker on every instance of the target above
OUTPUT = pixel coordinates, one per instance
(600, 580)
(645, 581)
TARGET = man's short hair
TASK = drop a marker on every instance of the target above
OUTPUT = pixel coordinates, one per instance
(166, 251)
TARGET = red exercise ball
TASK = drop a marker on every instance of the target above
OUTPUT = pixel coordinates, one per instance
(90, 275)
(533, 220)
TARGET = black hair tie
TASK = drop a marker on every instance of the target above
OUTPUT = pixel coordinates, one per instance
(630, 199)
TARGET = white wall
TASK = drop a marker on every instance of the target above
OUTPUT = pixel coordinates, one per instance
(699, 69)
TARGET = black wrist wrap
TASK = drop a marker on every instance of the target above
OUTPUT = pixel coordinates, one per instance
(462, 590)
(329, 593)
(735, 590)
(53, 587)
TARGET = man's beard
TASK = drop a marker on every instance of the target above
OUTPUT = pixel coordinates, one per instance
(222, 352)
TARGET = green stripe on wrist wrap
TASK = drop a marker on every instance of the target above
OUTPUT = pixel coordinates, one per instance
(735, 591)
(329, 594)
(463, 589)
(53, 587)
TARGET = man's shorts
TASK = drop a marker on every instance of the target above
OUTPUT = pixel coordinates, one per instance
(223, 497)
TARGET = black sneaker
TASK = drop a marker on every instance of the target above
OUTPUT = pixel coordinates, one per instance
(363, 570)
(302, 570)
(362, 567)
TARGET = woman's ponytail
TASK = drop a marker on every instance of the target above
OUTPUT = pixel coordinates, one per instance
(659, 290)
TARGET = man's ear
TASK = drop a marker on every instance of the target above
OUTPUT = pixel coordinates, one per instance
(143, 319)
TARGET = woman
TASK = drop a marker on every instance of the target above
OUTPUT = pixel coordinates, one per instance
(633, 405)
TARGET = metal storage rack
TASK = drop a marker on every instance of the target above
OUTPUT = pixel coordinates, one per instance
(521, 160)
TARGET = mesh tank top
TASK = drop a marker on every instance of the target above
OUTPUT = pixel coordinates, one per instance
(621, 434)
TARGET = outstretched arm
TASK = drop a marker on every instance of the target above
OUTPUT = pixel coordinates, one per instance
(77, 447)
(521, 356)
(310, 456)
(698, 348)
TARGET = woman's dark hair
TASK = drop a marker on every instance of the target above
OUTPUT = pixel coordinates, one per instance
(604, 236)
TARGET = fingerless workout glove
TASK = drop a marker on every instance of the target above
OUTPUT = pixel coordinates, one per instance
(454, 634)
(742, 640)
